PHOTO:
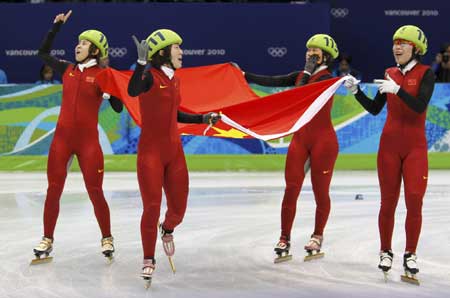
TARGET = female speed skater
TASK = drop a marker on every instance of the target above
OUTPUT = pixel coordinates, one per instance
(160, 158)
(314, 146)
(76, 132)
(407, 88)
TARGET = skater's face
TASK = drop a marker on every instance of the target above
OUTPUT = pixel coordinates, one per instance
(82, 50)
(314, 51)
(176, 56)
(402, 50)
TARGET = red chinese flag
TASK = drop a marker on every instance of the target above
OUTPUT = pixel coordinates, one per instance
(222, 88)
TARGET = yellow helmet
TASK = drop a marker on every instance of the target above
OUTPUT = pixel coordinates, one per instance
(160, 39)
(98, 39)
(413, 34)
(324, 42)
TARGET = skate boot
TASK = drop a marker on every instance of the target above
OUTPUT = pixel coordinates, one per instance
(147, 272)
(282, 250)
(44, 248)
(313, 248)
(411, 269)
(385, 264)
(108, 248)
(168, 245)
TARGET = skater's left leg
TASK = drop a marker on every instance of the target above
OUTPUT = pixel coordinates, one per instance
(415, 176)
(90, 158)
(176, 188)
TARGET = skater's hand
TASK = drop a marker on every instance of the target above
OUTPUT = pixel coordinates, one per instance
(387, 86)
(142, 49)
(62, 17)
(311, 64)
(351, 84)
(211, 118)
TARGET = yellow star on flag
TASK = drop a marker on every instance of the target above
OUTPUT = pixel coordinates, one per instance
(231, 133)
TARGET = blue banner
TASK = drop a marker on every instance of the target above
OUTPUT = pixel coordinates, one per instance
(261, 38)
(364, 29)
(28, 116)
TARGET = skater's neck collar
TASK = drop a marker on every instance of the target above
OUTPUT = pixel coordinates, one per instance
(320, 68)
(408, 66)
(169, 72)
(88, 64)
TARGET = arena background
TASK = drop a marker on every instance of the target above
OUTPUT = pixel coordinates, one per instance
(267, 38)
(224, 247)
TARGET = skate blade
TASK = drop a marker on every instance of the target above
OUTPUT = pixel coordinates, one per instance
(108, 254)
(314, 256)
(282, 259)
(39, 261)
(109, 260)
(411, 280)
(172, 265)
(147, 283)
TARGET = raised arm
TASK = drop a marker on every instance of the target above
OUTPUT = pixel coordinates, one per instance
(58, 65)
(140, 82)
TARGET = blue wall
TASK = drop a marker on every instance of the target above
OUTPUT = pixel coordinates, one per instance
(364, 29)
(266, 38)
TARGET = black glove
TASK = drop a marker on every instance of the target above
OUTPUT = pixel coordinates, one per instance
(311, 64)
(210, 118)
(142, 49)
(116, 104)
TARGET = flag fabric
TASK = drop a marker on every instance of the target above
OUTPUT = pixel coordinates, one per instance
(223, 89)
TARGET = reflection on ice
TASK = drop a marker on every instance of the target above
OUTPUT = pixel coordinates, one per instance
(225, 244)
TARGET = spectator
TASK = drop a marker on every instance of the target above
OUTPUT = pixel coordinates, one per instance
(441, 64)
(3, 78)
(46, 75)
(345, 68)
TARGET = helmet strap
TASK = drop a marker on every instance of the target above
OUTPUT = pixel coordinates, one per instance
(413, 57)
(91, 51)
(168, 57)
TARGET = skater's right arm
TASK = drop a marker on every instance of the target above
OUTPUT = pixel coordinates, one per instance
(140, 82)
(372, 106)
(58, 65)
(273, 81)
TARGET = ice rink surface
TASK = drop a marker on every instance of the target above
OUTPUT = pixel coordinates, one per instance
(224, 247)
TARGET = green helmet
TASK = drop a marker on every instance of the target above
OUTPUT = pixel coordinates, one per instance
(413, 34)
(98, 39)
(160, 39)
(324, 42)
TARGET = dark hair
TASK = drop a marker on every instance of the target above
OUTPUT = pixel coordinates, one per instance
(159, 60)
(41, 72)
(415, 55)
(92, 49)
(444, 47)
(329, 60)
(346, 57)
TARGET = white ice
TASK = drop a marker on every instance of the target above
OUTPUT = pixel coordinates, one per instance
(224, 247)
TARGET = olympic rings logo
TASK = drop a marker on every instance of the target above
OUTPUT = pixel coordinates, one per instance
(117, 52)
(339, 12)
(277, 52)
